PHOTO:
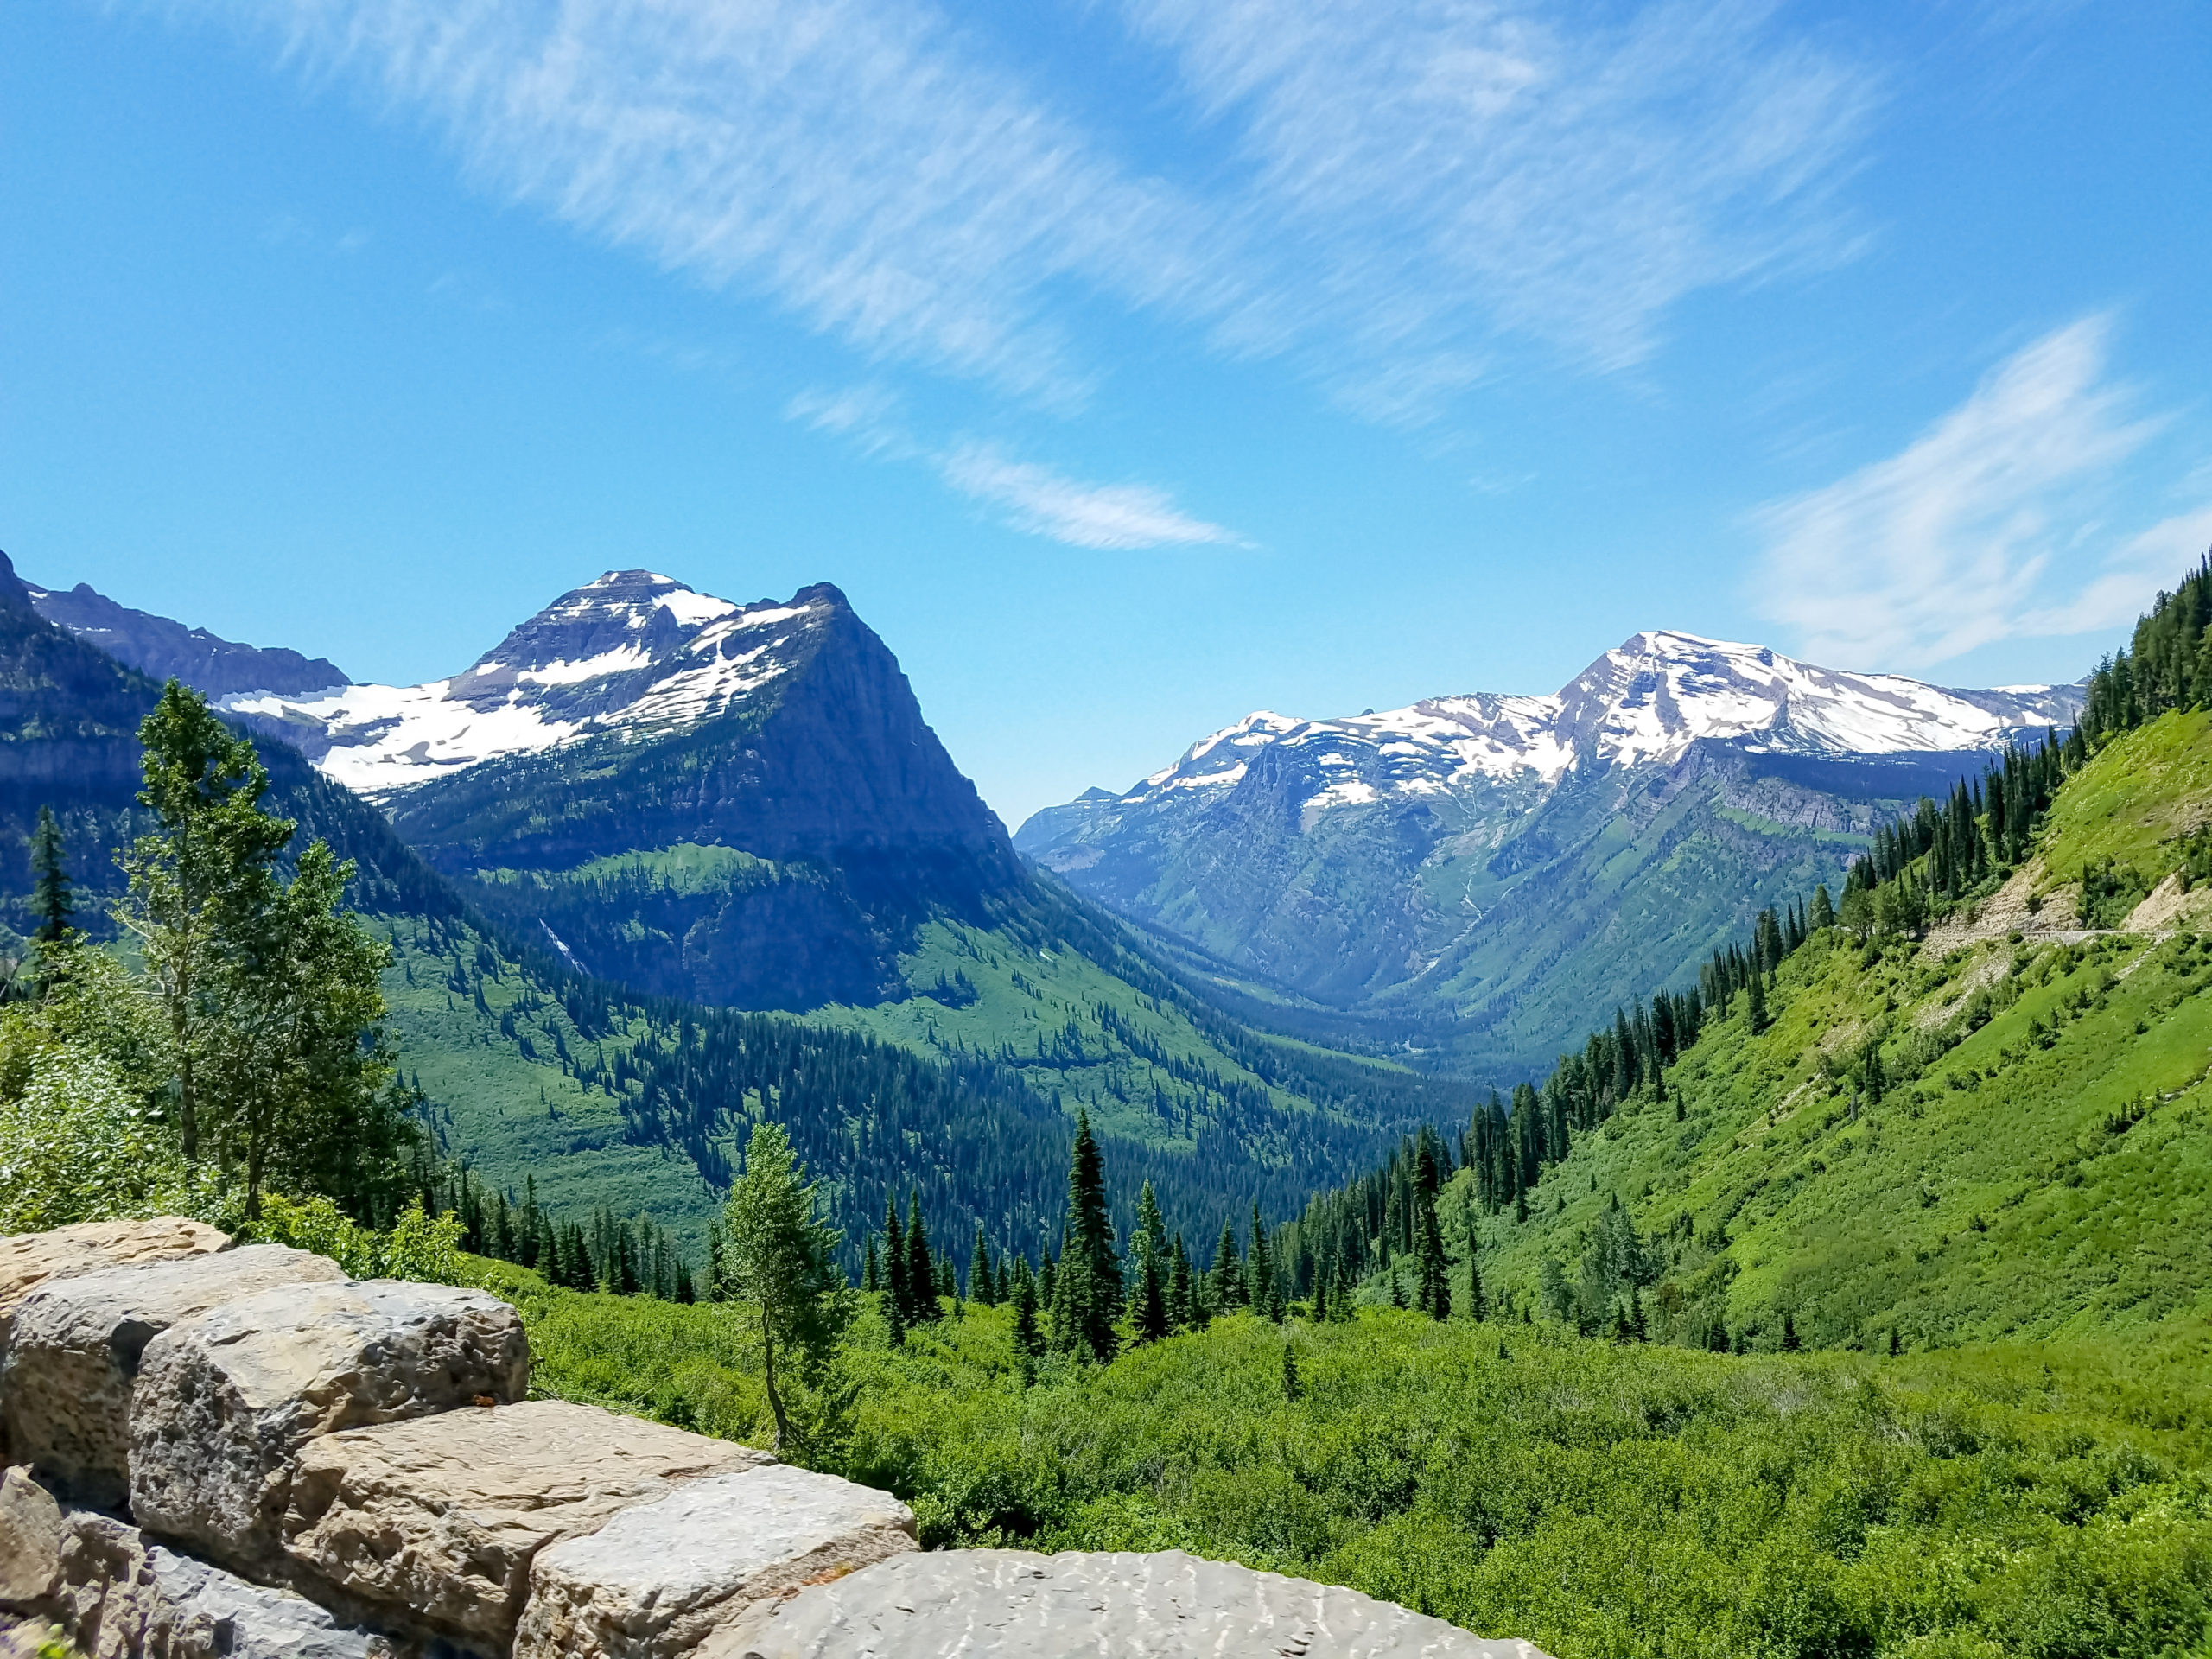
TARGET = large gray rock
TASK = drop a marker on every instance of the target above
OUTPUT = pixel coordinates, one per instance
(124, 1596)
(71, 1362)
(443, 1515)
(29, 1259)
(225, 1401)
(30, 1540)
(1007, 1603)
(657, 1580)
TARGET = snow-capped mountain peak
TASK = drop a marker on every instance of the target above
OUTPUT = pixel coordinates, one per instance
(1643, 703)
(632, 649)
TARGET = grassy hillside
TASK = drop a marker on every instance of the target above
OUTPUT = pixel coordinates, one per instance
(2040, 1161)
(1598, 1501)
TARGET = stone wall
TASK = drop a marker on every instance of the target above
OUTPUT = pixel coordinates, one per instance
(240, 1451)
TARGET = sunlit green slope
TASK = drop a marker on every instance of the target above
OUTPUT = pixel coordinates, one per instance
(2029, 1152)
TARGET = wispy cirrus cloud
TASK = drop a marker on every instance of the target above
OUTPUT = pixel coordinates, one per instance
(1412, 182)
(843, 158)
(1443, 171)
(1034, 499)
(1989, 526)
(1041, 502)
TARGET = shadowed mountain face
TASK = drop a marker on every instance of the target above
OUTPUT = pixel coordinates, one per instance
(737, 805)
(1475, 874)
(163, 650)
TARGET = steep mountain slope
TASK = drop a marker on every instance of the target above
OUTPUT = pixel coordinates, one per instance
(739, 806)
(163, 650)
(2001, 1128)
(1468, 873)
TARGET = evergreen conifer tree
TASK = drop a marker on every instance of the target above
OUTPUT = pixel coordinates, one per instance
(1225, 1281)
(1758, 1015)
(1149, 1303)
(871, 1267)
(898, 1299)
(1182, 1290)
(982, 1287)
(1028, 1340)
(1263, 1284)
(1291, 1388)
(922, 1287)
(50, 899)
(1087, 1294)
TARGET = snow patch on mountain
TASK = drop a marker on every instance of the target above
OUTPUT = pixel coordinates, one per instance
(633, 650)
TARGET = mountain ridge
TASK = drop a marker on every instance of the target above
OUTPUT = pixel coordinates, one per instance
(1465, 874)
(164, 649)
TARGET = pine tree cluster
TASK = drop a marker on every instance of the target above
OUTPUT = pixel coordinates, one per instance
(627, 1256)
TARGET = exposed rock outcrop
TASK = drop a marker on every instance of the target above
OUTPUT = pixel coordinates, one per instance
(441, 1518)
(225, 1402)
(29, 1259)
(125, 1597)
(1010, 1603)
(72, 1363)
(657, 1580)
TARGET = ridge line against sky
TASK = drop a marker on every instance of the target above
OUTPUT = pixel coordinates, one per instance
(1133, 362)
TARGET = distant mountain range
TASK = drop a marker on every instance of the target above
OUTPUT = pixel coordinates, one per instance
(1475, 874)
(648, 811)
(161, 650)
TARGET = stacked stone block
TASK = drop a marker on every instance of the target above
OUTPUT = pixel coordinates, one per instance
(242, 1453)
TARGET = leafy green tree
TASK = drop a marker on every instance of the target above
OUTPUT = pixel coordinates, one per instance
(784, 1261)
(197, 880)
(50, 899)
(302, 1066)
(1823, 909)
(270, 990)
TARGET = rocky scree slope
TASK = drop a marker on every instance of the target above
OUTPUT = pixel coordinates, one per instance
(1471, 873)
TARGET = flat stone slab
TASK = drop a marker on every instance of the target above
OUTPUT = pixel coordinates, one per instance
(225, 1401)
(1008, 1604)
(71, 1362)
(443, 1516)
(29, 1259)
(657, 1580)
(125, 1597)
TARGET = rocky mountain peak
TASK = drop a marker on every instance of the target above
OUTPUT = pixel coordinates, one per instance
(632, 650)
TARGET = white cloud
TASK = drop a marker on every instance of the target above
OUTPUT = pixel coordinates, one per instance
(1440, 170)
(1041, 502)
(1989, 526)
(1415, 178)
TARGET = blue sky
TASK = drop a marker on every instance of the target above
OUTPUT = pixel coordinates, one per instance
(1132, 364)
